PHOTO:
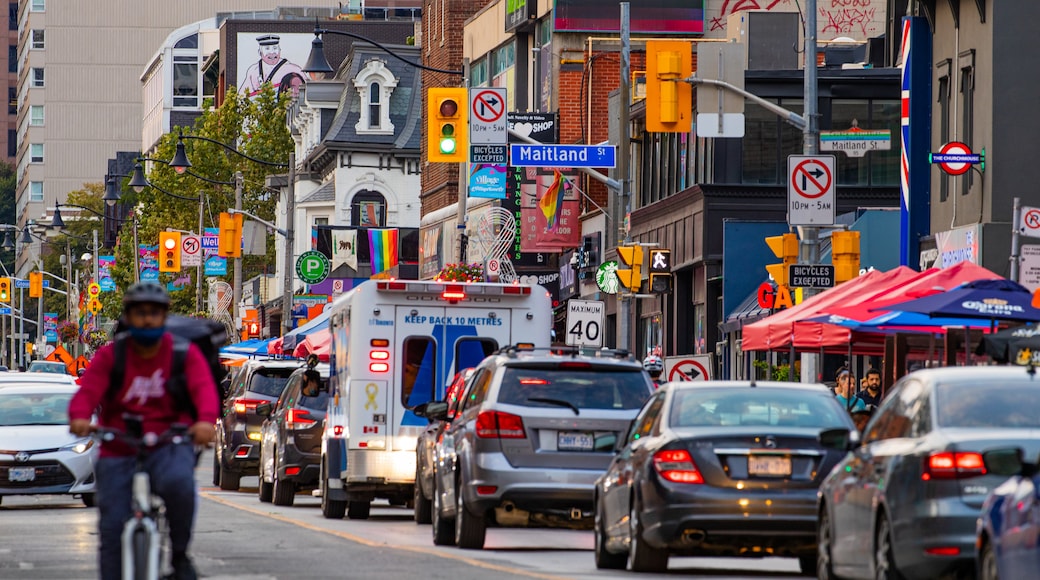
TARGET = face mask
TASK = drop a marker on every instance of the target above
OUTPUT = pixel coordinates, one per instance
(147, 336)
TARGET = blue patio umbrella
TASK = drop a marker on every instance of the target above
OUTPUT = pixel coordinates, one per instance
(898, 321)
(253, 346)
(990, 300)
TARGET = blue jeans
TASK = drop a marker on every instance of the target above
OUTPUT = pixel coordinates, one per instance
(172, 472)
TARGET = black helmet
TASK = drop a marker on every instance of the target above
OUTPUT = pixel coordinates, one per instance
(146, 293)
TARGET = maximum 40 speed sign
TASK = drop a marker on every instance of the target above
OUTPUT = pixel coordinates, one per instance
(585, 323)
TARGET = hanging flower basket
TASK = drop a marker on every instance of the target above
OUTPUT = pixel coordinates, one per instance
(96, 339)
(461, 273)
(68, 331)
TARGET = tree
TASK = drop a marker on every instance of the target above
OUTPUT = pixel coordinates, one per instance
(256, 127)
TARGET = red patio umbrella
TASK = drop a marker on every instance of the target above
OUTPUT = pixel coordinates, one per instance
(319, 343)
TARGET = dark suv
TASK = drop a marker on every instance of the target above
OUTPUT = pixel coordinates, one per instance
(290, 439)
(534, 430)
(237, 451)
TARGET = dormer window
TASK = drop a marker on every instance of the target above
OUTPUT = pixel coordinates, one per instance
(374, 85)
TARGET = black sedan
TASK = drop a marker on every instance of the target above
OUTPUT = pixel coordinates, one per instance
(720, 468)
(290, 442)
(904, 504)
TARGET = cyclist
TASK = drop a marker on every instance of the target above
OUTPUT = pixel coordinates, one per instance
(149, 355)
(654, 366)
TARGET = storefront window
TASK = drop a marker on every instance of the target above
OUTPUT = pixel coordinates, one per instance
(652, 335)
(845, 115)
(699, 331)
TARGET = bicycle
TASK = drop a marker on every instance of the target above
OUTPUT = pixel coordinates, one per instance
(145, 538)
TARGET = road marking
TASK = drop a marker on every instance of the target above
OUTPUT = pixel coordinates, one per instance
(371, 544)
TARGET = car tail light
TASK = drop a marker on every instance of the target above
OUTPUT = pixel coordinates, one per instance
(486, 489)
(677, 466)
(499, 425)
(583, 366)
(299, 419)
(292, 470)
(953, 465)
(243, 405)
(943, 551)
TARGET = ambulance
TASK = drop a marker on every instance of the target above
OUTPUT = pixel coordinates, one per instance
(397, 344)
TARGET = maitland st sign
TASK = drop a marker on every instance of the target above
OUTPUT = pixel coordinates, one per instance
(598, 156)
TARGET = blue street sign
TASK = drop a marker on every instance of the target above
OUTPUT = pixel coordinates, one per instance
(524, 155)
(5, 310)
(210, 242)
(955, 158)
(19, 283)
(107, 284)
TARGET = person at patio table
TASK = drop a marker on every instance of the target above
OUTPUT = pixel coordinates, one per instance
(844, 393)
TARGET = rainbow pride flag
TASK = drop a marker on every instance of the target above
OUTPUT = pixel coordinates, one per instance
(383, 244)
(552, 201)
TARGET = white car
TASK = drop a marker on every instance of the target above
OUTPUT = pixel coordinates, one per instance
(38, 455)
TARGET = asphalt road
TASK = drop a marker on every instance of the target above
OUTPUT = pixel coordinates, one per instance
(237, 537)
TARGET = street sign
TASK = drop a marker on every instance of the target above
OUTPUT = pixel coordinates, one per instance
(585, 323)
(94, 306)
(19, 283)
(312, 267)
(496, 154)
(856, 142)
(210, 242)
(5, 310)
(810, 190)
(487, 119)
(1029, 266)
(191, 251)
(720, 112)
(690, 367)
(1028, 225)
(810, 276)
(94, 289)
(955, 158)
(523, 155)
(494, 269)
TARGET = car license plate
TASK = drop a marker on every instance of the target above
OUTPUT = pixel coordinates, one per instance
(769, 465)
(573, 441)
(21, 474)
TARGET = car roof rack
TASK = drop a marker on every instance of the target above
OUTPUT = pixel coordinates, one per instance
(574, 351)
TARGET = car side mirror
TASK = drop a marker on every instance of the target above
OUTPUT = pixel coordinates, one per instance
(263, 409)
(1006, 461)
(840, 439)
(433, 410)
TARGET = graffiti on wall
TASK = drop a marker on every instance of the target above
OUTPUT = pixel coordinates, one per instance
(858, 19)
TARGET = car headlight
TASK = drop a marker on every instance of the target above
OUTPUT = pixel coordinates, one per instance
(80, 446)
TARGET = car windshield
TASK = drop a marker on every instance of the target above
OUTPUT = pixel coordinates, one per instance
(581, 389)
(270, 382)
(47, 367)
(34, 409)
(703, 407)
(1007, 404)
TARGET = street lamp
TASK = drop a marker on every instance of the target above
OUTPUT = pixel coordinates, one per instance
(317, 63)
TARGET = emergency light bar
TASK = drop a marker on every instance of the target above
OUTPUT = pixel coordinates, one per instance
(454, 291)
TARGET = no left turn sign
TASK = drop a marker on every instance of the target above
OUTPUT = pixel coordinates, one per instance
(810, 190)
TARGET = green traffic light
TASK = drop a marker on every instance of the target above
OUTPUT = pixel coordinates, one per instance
(448, 145)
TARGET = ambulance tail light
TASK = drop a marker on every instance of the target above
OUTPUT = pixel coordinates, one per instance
(379, 367)
(379, 342)
(391, 286)
(517, 290)
(379, 355)
(453, 293)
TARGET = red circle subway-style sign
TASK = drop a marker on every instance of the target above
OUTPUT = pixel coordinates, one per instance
(811, 178)
(954, 167)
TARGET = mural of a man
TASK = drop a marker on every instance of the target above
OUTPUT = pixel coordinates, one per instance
(272, 68)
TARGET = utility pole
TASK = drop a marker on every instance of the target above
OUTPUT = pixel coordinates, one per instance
(809, 249)
(290, 243)
(236, 291)
(1016, 244)
(624, 303)
(460, 218)
(198, 269)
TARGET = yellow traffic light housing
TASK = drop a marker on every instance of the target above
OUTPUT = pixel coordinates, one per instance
(447, 131)
(5, 290)
(229, 241)
(784, 247)
(631, 277)
(669, 99)
(35, 284)
(845, 255)
(169, 252)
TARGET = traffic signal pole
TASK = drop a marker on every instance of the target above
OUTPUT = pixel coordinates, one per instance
(624, 303)
(236, 288)
(809, 249)
(290, 249)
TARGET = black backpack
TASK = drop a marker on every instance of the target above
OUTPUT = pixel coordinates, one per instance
(208, 335)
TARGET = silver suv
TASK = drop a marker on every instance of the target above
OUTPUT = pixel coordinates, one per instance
(534, 430)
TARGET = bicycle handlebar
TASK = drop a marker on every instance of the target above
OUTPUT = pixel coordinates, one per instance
(176, 434)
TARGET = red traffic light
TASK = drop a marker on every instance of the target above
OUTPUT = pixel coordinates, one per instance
(449, 108)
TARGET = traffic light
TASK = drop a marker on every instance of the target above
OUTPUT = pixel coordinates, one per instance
(845, 255)
(669, 99)
(784, 247)
(35, 284)
(5, 290)
(229, 242)
(661, 271)
(447, 131)
(631, 277)
(169, 251)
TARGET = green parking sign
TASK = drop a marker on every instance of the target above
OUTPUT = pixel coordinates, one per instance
(312, 267)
